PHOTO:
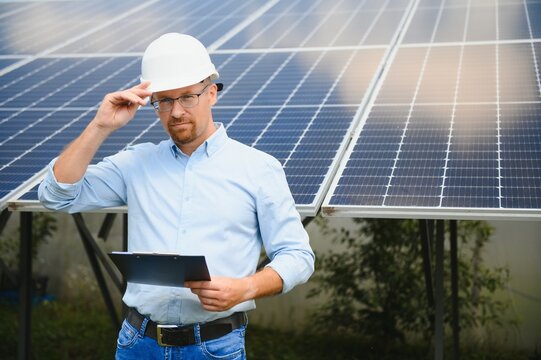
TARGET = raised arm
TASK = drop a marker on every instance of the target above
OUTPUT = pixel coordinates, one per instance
(115, 111)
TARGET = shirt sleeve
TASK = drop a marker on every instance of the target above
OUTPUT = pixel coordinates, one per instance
(284, 237)
(102, 186)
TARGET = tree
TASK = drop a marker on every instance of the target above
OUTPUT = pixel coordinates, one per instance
(376, 285)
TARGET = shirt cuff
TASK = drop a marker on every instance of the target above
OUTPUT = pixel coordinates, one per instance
(292, 270)
(56, 188)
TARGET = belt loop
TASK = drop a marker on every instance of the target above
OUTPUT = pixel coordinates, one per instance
(143, 326)
(197, 333)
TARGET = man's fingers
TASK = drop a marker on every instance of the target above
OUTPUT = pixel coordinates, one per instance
(205, 296)
(205, 293)
(199, 285)
(210, 303)
(126, 98)
(141, 90)
(138, 94)
(219, 294)
(143, 85)
(142, 93)
(208, 293)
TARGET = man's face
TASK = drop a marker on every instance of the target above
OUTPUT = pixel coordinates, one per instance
(189, 127)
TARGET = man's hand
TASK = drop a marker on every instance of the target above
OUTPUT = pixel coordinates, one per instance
(118, 108)
(222, 293)
(115, 111)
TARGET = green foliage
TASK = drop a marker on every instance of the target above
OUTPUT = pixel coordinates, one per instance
(268, 344)
(43, 228)
(61, 331)
(376, 287)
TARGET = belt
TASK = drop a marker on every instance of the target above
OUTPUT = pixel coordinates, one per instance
(172, 335)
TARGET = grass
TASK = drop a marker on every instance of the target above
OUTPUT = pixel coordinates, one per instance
(60, 331)
(71, 331)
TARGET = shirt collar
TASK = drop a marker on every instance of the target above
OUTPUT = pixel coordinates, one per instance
(210, 146)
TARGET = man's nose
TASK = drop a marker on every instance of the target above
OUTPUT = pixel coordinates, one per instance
(178, 110)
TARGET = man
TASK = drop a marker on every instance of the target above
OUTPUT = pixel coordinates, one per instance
(197, 193)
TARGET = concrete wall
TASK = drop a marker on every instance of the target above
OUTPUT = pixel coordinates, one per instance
(515, 244)
(518, 245)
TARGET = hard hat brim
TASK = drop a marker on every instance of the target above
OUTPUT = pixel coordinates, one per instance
(155, 89)
(171, 84)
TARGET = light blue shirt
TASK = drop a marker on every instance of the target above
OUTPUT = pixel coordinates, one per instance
(224, 201)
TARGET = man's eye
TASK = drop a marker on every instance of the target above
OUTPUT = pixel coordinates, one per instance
(186, 97)
(166, 101)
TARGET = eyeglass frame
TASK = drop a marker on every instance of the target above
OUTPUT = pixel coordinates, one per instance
(156, 104)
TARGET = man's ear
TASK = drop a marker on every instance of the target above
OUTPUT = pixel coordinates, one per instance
(213, 94)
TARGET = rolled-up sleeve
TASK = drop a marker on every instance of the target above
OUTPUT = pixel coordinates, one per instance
(102, 186)
(284, 237)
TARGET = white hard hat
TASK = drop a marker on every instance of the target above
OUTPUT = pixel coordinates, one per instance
(174, 61)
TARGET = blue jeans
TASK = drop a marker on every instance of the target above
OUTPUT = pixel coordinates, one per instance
(132, 344)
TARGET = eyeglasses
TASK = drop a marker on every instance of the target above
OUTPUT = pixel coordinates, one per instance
(186, 100)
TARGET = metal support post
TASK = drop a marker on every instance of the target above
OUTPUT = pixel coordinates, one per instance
(454, 288)
(124, 248)
(87, 236)
(106, 226)
(426, 230)
(4, 217)
(25, 291)
(435, 286)
(438, 275)
(96, 268)
(125, 232)
(307, 220)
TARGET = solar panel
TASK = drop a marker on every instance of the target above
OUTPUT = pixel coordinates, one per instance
(454, 126)
(297, 75)
(293, 24)
(445, 120)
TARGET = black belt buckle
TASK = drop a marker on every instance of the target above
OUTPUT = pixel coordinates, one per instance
(173, 335)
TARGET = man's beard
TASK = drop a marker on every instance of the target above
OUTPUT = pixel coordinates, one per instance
(183, 135)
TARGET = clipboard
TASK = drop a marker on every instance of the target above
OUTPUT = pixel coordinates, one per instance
(160, 269)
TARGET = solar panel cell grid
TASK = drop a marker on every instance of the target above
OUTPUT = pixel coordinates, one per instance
(451, 20)
(439, 76)
(207, 19)
(245, 77)
(513, 22)
(519, 73)
(6, 62)
(383, 30)
(422, 25)
(320, 23)
(482, 25)
(23, 32)
(478, 81)
(405, 70)
(467, 131)
(534, 17)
